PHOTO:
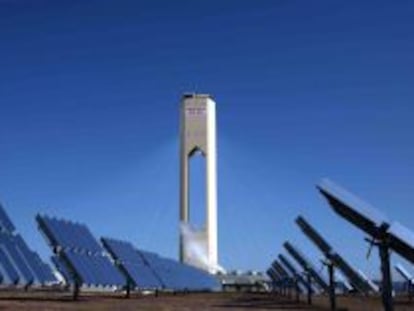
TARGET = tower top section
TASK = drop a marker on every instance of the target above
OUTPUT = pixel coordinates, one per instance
(195, 96)
(198, 123)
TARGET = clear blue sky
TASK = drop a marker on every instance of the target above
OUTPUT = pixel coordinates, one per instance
(89, 97)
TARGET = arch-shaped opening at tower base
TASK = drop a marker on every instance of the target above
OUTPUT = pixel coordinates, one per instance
(197, 190)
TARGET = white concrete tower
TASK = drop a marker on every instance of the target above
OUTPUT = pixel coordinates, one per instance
(198, 134)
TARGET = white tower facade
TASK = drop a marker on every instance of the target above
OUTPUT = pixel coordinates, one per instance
(198, 134)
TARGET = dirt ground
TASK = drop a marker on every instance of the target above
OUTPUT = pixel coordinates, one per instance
(169, 302)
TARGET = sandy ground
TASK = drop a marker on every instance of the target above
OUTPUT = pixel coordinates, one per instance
(168, 302)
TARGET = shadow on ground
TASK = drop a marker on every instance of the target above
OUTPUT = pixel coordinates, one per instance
(267, 303)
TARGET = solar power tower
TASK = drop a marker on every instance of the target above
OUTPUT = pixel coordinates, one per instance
(198, 135)
(83, 258)
(383, 234)
(19, 265)
(332, 260)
